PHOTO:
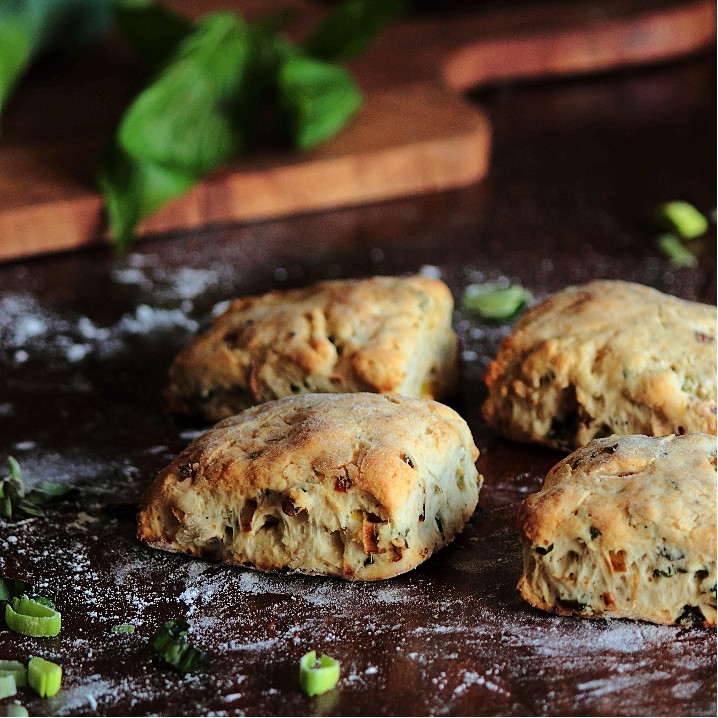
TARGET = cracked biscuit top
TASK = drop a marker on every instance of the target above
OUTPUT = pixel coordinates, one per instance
(389, 335)
(361, 486)
(626, 526)
(602, 358)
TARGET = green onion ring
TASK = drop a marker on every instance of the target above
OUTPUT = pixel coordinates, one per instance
(7, 686)
(44, 677)
(15, 669)
(314, 678)
(26, 616)
(16, 710)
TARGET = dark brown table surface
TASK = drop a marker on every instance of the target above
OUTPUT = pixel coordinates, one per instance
(85, 341)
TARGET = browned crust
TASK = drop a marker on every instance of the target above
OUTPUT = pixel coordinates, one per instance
(607, 357)
(335, 336)
(624, 499)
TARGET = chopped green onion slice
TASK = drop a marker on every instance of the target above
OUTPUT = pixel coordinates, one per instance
(681, 218)
(677, 252)
(16, 710)
(123, 628)
(44, 677)
(170, 642)
(495, 301)
(319, 677)
(44, 601)
(15, 669)
(7, 686)
(14, 466)
(26, 616)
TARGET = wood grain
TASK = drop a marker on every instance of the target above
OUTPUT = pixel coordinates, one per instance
(415, 135)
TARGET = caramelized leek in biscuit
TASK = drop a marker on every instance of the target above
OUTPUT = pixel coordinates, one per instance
(362, 486)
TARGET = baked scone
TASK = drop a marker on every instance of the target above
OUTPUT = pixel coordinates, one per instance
(389, 335)
(626, 526)
(363, 486)
(607, 357)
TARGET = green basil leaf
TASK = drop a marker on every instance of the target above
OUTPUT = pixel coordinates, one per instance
(187, 118)
(16, 51)
(315, 99)
(29, 28)
(155, 31)
(351, 28)
(134, 190)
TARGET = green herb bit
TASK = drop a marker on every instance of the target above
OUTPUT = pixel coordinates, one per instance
(12, 489)
(315, 99)
(681, 218)
(44, 677)
(31, 618)
(170, 643)
(491, 300)
(317, 677)
(13, 588)
(15, 669)
(14, 499)
(123, 628)
(351, 28)
(679, 255)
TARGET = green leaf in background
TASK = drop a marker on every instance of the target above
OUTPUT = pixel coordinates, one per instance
(351, 28)
(134, 190)
(215, 82)
(187, 118)
(155, 31)
(192, 118)
(16, 52)
(29, 28)
(315, 99)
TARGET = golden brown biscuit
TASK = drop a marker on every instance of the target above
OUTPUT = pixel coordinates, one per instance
(607, 357)
(390, 335)
(361, 485)
(626, 526)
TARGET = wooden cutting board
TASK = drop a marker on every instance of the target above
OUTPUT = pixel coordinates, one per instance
(415, 134)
